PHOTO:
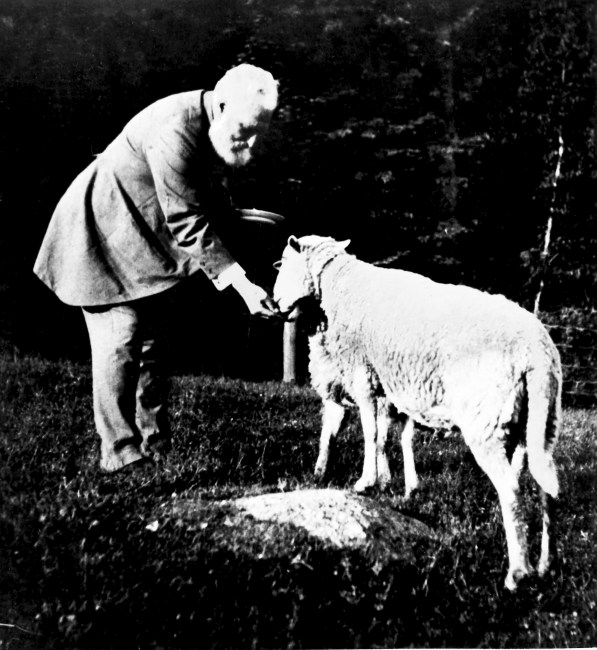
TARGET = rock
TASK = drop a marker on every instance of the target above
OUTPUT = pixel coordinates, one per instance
(312, 568)
(341, 519)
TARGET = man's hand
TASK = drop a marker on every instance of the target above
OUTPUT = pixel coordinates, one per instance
(257, 300)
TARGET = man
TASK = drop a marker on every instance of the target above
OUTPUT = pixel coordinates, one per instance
(140, 218)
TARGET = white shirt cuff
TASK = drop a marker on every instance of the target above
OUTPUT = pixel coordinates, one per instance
(229, 276)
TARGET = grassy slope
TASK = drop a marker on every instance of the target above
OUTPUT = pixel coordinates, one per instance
(81, 567)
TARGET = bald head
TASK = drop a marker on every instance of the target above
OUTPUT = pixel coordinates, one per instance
(246, 87)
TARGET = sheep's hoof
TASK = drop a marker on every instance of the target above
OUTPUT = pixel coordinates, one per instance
(384, 480)
(409, 491)
(545, 566)
(363, 485)
(514, 578)
(319, 478)
(385, 487)
(319, 472)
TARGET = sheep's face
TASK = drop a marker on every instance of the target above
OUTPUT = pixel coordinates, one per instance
(294, 282)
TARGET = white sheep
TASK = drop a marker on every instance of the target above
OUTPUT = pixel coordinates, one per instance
(443, 355)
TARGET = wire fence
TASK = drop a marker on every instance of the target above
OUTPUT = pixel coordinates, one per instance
(574, 332)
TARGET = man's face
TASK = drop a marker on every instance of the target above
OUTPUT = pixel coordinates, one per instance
(235, 133)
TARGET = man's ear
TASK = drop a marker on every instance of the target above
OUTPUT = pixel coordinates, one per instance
(344, 244)
(293, 242)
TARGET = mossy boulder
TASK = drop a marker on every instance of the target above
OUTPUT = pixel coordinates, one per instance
(301, 567)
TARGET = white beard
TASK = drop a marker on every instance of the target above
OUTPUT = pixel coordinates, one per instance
(233, 154)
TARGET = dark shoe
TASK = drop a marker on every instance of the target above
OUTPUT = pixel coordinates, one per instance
(139, 473)
(143, 467)
(136, 465)
(113, 461)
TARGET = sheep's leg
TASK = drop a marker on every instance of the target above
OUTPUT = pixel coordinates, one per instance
(332, 419)
(491, 457)
(547, 508)
(367, 409)
(547, 545)
(411, 480)
(518, 458)
(384, 420)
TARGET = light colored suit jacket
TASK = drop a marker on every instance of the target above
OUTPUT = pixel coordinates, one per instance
(141, 216)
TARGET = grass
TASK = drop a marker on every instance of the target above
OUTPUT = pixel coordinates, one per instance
(90, 560)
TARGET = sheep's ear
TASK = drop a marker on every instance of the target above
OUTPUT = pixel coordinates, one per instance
(344, 244)
(293, 242)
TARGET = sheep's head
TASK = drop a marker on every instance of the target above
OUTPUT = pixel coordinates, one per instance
(299, 271)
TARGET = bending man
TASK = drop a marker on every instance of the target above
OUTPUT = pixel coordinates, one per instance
(139, 219)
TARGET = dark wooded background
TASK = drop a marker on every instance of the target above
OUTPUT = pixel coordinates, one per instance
(427, 132)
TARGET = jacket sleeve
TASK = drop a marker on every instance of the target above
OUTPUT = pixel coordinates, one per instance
(187, 197)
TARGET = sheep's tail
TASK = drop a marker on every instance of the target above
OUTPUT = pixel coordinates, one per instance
(544, 392)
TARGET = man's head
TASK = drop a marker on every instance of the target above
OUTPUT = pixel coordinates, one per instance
(243, 102)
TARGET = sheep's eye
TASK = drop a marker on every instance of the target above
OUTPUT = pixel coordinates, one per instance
(277, 265)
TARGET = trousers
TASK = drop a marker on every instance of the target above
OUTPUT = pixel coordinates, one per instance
(130, 386)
